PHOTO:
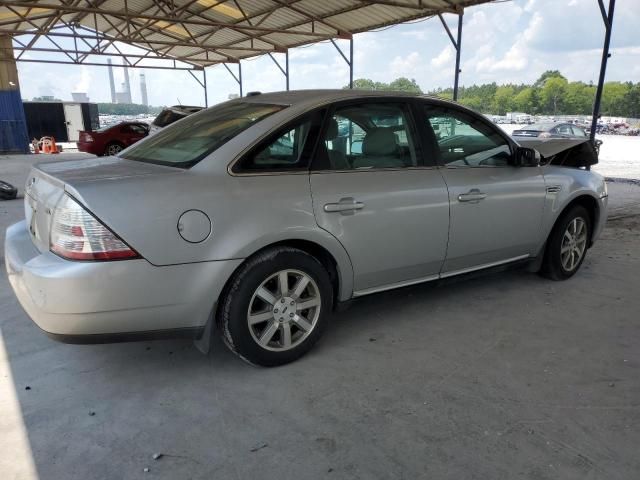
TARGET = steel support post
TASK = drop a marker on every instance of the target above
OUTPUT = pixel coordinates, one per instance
(607, 17)
(202, 83)
(237, 78)
(457, 44)
(285, 70)
(349, 60)
(206, 98)
(458, 51)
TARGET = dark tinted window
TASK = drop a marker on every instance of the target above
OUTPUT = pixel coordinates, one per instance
(578, 132)
(185, 143)
(564, 129)
(134, 129)
(167, 117)
(286, 150)
(464, 140)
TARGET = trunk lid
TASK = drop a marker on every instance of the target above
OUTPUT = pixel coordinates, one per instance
(526, 133)
(47, 182)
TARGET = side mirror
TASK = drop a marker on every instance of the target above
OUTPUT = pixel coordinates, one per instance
(526, 157)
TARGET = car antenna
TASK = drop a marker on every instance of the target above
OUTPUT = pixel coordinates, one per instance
(179, 102)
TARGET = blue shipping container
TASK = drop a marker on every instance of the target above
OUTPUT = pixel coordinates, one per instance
(13, 126)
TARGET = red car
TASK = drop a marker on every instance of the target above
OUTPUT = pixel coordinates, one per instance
(112, 139)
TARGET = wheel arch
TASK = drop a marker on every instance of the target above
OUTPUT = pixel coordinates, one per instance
(341, 280)
(590, 203)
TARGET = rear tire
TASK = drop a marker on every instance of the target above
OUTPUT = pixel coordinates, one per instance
(113, 148)
(567, 244)
(275, 307)
(7, 191)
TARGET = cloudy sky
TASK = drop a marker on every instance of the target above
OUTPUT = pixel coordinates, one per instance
(504, 42)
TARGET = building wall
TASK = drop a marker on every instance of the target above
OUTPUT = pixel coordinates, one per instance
(13, 126)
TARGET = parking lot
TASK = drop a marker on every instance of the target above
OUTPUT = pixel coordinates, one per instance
(505, 375)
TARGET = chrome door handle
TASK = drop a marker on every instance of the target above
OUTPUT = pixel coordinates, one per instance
(474, 195)
(345, 206)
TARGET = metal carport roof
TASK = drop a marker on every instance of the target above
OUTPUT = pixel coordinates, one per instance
(201, 33)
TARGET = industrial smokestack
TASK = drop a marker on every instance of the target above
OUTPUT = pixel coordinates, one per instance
(111, 82)
(143, 89)
(126, 81)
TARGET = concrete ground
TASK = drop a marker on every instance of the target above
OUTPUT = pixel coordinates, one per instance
(499, 377)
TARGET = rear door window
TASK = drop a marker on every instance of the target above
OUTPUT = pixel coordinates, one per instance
(367, 136)
(288, 149)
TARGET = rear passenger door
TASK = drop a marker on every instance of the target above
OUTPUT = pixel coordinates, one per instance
(375, 191)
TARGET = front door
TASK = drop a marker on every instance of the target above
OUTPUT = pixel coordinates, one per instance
(496, 207)
(373, 191)
(73, 119)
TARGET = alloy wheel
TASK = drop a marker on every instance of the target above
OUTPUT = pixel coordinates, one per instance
(114, 149)
(284, 310)
(574, 244)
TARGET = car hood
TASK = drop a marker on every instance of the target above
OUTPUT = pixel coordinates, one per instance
(103, 168)
(569, 152)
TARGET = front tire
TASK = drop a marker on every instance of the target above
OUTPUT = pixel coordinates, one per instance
(567, 244)
(276, 307)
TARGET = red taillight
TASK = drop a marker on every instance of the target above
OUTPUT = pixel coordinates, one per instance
(86, 137)
(78, 235)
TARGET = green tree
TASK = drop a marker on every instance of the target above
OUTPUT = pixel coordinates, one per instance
(475, 103)
(578, 98)
(632, 101)
(403, 84)
(546, 76)
(526, 100)
(363, 84)
(613, 98)
(552, 93)
(126, 109)
(503, 99)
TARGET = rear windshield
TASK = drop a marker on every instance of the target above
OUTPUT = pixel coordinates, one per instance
(166, 117)
(539, 127)
(188, 141)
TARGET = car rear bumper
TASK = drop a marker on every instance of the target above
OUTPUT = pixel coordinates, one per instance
(89, 147)
(100, 302)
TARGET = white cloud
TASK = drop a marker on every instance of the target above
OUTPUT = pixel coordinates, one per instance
(405, 66)
(82, 85)
(444, 58)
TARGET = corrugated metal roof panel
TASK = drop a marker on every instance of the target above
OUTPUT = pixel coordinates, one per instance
(227, 29)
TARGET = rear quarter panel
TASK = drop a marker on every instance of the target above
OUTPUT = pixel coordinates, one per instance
(247, 213)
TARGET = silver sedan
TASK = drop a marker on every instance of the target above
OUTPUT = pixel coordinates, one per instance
(259, 216)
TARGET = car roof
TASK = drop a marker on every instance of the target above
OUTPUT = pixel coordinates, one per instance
(295, 97)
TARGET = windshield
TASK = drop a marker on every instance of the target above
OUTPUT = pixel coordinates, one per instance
(188, 141)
